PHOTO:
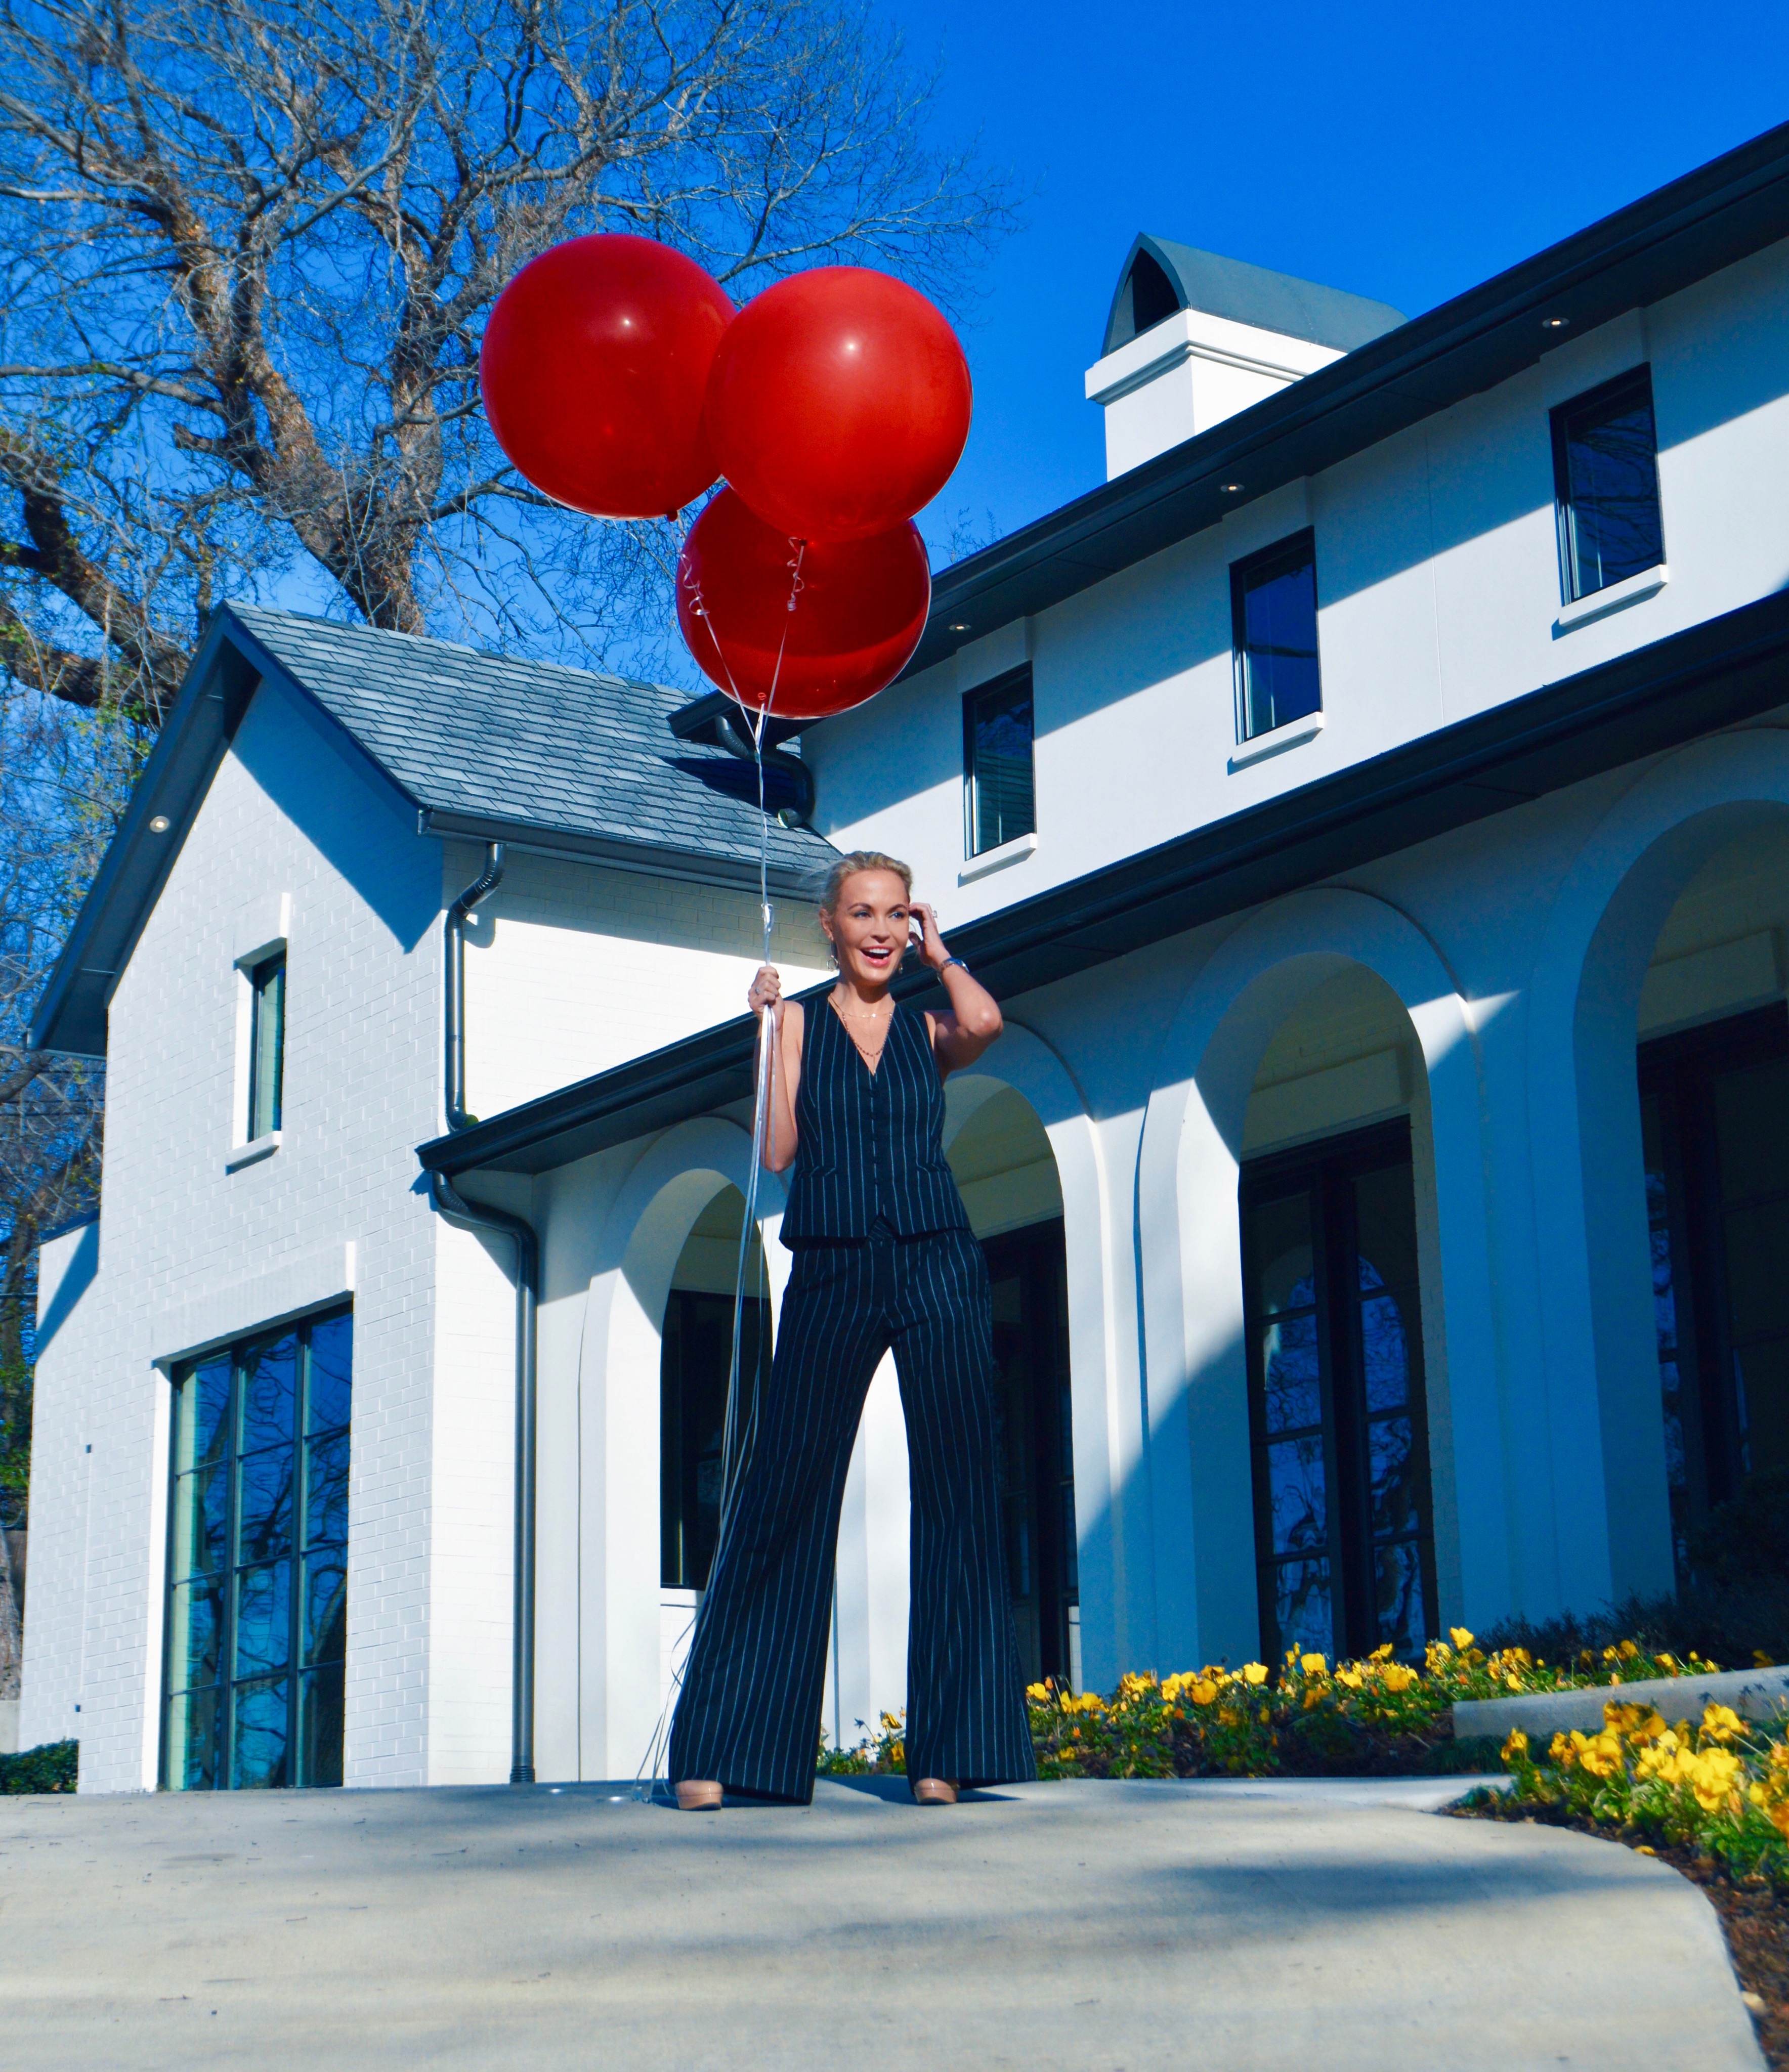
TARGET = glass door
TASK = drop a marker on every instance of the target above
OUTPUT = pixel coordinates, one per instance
(1344, 1541)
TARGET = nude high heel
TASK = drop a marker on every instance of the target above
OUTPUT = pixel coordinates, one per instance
(934, 1791)
(698, 1794)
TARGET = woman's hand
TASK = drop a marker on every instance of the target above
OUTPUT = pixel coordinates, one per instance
(767, 989)
(932, 943)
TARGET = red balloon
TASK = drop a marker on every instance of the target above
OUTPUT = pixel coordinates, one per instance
(594, 369)
(839, 403)
(860, 607)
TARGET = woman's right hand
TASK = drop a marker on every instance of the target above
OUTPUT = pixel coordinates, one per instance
(766, 989)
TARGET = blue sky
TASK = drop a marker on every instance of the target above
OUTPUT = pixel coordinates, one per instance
(1402, 152)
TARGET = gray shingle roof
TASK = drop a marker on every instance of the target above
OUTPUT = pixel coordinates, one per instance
(1251, 294)
(475, 738)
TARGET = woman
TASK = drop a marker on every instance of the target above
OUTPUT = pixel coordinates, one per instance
(883, 1257)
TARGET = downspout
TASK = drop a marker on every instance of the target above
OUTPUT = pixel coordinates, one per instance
(527, 1281)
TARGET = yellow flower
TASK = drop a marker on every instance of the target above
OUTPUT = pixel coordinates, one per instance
(1712, 1777)
(1629, 1652)
(1460, 1638)
(1314, 1665)
(1779, 1818)
(1254, 1672)
(1515, 1748)
(1722, 1723)
(1351, 1677)
(1562, 1751)
(1038, 1693)
(1203, 1691)
(1382, 1654)
(1761, 1660)
(1398, 1678)
(1600, 1754)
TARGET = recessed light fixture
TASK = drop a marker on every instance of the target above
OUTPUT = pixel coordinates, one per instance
(159, 824)
(1555, 323)
(959, 626)
(1231, 488)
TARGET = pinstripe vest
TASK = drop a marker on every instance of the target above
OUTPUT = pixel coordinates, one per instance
(869, 1143)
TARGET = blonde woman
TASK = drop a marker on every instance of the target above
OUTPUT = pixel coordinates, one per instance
(884, 1258)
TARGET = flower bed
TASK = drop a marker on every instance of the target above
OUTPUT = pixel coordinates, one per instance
(51, 1768)
(1376, 1717)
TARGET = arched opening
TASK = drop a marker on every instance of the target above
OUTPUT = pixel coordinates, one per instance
(1006, 1171)
(1338, 1226)
(1713, 1033)
(1148, 297)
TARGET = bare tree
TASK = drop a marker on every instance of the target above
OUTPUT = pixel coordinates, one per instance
(251, 247)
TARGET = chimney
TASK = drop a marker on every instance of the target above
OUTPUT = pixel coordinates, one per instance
(1193, 338)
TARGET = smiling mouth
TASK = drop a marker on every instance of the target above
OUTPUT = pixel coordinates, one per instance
(878, 956)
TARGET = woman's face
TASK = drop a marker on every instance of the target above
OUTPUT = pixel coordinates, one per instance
(869, 926)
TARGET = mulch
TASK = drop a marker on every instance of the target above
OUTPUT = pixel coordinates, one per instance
(1754, 1913)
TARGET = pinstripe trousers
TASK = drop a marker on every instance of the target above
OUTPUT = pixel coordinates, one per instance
(750, 1710)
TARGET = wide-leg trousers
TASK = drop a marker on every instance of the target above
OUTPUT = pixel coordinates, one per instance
(750, 1710)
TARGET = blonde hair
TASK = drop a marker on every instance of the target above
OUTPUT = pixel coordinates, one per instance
(848, 866)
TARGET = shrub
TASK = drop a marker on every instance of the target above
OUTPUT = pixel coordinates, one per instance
(53, 1767)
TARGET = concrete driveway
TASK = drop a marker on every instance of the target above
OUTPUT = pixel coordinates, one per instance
(1103, 1927)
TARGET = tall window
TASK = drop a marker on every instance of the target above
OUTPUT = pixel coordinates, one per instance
(1274, 625)
(1605, 481)
(266, 1044)
(696, 1357)
(1343, 1535)
(257, 1562)
(1714, 1118)
(1000, 797)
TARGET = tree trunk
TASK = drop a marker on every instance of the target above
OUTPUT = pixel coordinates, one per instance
(12, 1639)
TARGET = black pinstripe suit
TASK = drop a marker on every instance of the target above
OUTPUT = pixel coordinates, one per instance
(884, 1257)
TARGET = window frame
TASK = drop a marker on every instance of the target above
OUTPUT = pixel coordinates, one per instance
(227, 1462)
(266, 981)
(1280, 555)
(1323, 1170)
(1560, 418)
(1003, 684)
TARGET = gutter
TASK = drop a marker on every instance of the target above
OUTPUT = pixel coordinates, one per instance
(448, 1202)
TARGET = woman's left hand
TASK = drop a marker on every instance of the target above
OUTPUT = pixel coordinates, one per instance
(932, 943)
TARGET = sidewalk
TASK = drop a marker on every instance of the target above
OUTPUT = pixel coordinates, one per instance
(1102, 1928)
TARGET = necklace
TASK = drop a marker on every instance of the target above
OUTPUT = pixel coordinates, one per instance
(869, 1057)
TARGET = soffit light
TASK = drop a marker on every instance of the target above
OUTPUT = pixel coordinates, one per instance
(159, 824)
(1555, 323)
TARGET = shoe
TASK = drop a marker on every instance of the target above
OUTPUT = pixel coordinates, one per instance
(701, 1794)
(934, 1791)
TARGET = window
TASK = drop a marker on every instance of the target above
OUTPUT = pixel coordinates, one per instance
(257, 1563)
(1027, 1269)
(1605, 480)
(266, 1044)
(999, 796)
(1343, 1535)
(1273, 620)
(1714, 1124)
(696, 1357)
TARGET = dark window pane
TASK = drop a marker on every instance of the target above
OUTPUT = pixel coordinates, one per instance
(320, 1725)
(326, 1606)
(1385, 1228)
(258, 1760)
(1384, 1352)
(263, 1619)
(201, 1412)
(195, 1633)
(1072, 1553)
(1280, 1232)
(326, 1489)
(696, 1355)
(1399, 1597)
(192, 1740)
(1275, 605)
(1002, 802)
(1304, 1616)
(1297, 1509)
(1758, 1270)
(1762, 1377)
(1292, 1397)
(1609, 487)
(331, 1374)
(201, 1523)
(269, 1392)
(267, 1047)
(1392, 1469)
(264, 1512)
(1751, 1122)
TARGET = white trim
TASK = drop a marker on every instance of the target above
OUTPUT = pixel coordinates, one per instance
(1014, 851)
(308, 1281)
(1613, 597)
(1276, 739)
(252, 1152)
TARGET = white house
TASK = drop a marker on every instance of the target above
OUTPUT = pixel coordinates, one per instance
(1378, 841)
